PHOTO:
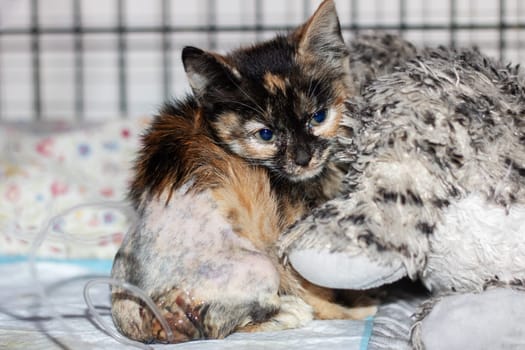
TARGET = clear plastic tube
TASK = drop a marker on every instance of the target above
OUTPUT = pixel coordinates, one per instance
(44, 233)
(139, 293)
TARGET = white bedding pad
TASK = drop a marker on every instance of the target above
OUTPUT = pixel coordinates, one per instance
(28, 323)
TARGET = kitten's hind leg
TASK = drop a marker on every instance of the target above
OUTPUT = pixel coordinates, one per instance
(207, 280)
(191, 319)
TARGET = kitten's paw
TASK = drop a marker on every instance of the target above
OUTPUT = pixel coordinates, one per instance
(294, 312)
(136, 321)
(191, 319)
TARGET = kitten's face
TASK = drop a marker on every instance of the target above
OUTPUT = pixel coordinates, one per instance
(277, 104)
(285, 122)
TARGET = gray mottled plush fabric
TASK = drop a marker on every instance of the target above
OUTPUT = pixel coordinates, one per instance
(394, 319)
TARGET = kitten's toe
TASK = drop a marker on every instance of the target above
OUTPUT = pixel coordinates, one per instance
(184, 327)
(294, 312)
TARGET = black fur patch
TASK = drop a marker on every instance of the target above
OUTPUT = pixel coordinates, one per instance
(259, 313)
(370, 239)
(414, 199)
(385, 196)
(441, 202)
(425, 227)
(356, 219)
(326, 212)
(429, 118)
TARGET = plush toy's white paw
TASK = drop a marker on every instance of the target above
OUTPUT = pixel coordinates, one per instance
(494, 319)
(342, 270)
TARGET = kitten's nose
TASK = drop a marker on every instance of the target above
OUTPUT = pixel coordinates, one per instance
(302, 157)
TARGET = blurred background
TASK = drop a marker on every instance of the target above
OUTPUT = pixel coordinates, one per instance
(105, 59)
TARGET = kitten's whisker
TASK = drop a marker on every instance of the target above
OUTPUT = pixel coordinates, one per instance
(261, 110)
(310, 82)
(257, 110)
(321, 81)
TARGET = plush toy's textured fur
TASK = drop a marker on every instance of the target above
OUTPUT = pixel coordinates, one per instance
(437, 180)
(375, 54)
(448, 125)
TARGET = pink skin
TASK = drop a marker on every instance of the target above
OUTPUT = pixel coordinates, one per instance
(188, 244)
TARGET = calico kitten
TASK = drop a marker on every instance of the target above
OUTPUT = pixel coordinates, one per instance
(222, 174)
(279, 104)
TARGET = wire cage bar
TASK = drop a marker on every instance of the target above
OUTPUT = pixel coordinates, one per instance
(497, 29)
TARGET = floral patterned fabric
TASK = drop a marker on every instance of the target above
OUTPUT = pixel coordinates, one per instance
(66, 184)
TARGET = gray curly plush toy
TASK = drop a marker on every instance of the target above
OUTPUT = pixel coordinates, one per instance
(436, 192)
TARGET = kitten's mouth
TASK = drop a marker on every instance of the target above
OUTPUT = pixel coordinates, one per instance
(303, 174)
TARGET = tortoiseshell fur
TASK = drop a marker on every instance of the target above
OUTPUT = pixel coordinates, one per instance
(279, 85)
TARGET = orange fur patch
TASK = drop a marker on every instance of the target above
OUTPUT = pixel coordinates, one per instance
(226, 125)
(201, 159)
(273, 83)
(260, 151)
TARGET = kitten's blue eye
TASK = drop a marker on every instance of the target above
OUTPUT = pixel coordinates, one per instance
(266, 134)
(318, 117)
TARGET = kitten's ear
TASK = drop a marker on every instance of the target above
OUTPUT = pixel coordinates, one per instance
(321, 34)
(207, 71)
